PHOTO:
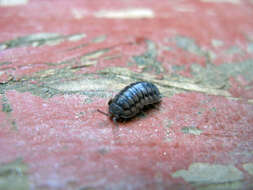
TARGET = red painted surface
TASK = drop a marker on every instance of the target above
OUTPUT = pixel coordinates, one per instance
(63, 146)
(67, 144)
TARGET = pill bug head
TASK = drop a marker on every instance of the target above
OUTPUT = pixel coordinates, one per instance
(114, 110)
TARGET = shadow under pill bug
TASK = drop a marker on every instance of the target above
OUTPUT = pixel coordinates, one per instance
(131, 100)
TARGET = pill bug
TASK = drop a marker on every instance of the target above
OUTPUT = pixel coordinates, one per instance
(131, 100)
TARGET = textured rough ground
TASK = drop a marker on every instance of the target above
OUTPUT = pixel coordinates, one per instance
(60, 61)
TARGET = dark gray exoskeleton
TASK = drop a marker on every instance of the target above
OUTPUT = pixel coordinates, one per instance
(132, 99)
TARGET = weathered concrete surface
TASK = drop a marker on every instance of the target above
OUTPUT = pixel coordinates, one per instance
(60, 61)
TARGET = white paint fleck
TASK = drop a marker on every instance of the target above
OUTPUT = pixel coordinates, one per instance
(185, 8)
(6, 3)
(205, 126)
(3, 46)
(78, 13)
(41, 36)
(76, 37)
(217, 43)
(44, 105)
(51, 42)
(125, 14)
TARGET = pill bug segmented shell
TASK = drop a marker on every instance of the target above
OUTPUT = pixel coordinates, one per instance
(132, 99)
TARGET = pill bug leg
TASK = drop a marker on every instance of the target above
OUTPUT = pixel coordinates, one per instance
(114, 119)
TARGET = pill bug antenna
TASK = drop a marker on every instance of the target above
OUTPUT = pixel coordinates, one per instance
(103, 112)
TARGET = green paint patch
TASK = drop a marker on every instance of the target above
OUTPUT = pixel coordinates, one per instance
(43, 91)
(148, 60)
(234, 50)
(191, 130)
(5, 63)
(14, 126)
(205, 174)
(13, 175)
(224, 186)
(249, 168)
(218, 76)
(6, 107)
(40, 39)
(213, 109)
(188, 44)
(250, 48)
(213, 76)
(177, 68)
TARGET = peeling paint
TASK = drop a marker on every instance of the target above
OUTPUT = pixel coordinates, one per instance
(5, 63)
(6, 107)
(76, 37)
(148, 60)
(224, 186)
(191, 130)
(99, 39)
(40, 39)
(78, 13)
(3, 46)
(14, 126)
(217, 43)
(125, 14)
(89, 83)
(249, 168)
(187, 44)
(93, 55)
(205, 173)
(13, 175)
(166, 82)
(234, 50)
(217, 76)
(250, 48)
